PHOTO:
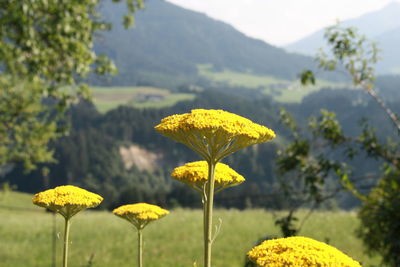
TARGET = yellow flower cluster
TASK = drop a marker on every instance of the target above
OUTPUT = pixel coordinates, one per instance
(140, 214)
(195, 174)
(214, 132)
(299, 252)
(67, 200)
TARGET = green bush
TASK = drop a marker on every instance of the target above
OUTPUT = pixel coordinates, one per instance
(380, 220)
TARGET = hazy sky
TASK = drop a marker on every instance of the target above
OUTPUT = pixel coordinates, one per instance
(280, 22)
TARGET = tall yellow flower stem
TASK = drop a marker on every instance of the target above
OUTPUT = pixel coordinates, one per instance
(208, 238)
(140, 215)
(66, 241)
(204, 221)
(208, 178)
(140, 248)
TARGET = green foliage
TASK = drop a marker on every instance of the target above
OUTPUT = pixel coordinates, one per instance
(305, 158)
(314, 168)
(306, 170)
(132, 5)
(49, 40)
(46, 48)
(327, 127)
(286, 225)
(378, 213)
(307, 77)
(357, 56)
(352, 51)
(380, 219)
(26, 126)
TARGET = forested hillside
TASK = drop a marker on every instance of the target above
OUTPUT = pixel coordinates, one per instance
(90, 155)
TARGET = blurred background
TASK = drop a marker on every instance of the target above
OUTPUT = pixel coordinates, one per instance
(84, 83)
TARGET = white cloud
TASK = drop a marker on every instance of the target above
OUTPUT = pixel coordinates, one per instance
(282, 21)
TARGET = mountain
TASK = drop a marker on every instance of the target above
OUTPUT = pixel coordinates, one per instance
(381, 26)
(389, 43)
(169, 42)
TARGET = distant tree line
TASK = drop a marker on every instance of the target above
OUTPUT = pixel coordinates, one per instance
(89, 155)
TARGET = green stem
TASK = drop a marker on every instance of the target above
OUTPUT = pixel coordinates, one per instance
(208, 213)
(204, 219)
(54, 241)
(140, 248)
(66, 237)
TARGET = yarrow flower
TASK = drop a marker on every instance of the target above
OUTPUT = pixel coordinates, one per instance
(195, 174)
(299, 252)
(140, 214)
(67, 200)
(214, 134)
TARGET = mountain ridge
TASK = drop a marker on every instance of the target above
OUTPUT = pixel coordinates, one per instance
(169, 42)
(373, 25)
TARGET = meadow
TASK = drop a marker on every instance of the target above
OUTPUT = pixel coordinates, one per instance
(284, 91)
(107, 98)
(26, 236)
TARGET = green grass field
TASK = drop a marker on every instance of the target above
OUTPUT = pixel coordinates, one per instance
(26, 236)
(284, 91)
(237, 78)
(106, 98)
(296, 92)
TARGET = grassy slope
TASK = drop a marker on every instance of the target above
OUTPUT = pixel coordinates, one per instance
(293, 94)
(176, 240)
(237, 78)
(297, 92)
(106, 98)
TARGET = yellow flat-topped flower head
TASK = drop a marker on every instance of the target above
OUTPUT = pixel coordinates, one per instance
(195, 174)
(214, 134)
(299, 252)
(140, 214)
(67, 200)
